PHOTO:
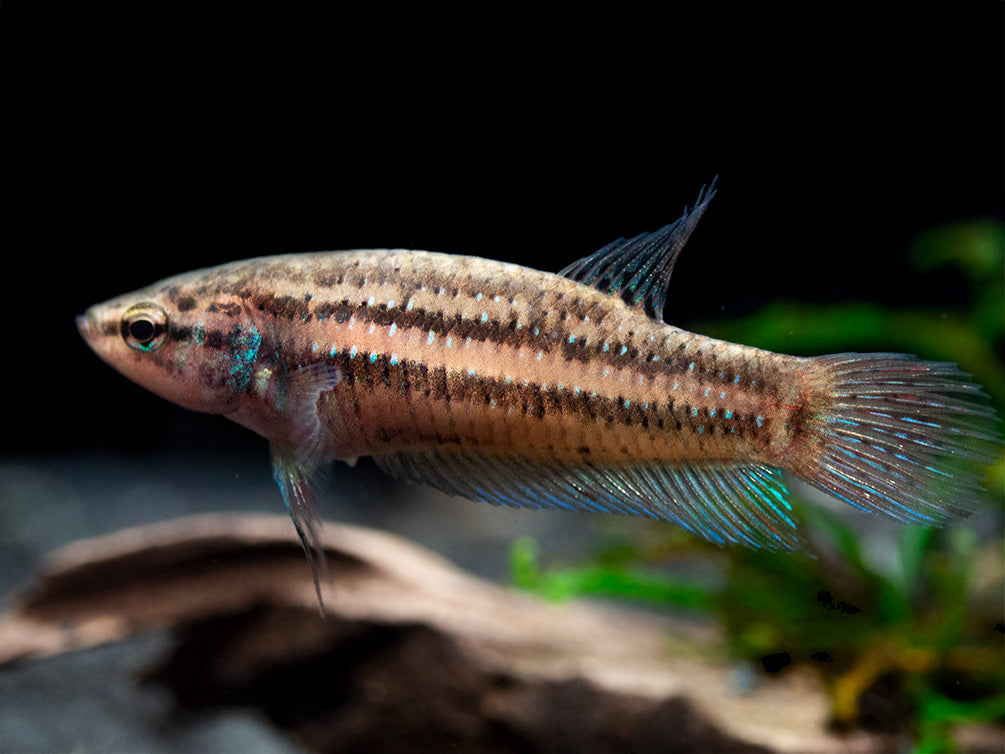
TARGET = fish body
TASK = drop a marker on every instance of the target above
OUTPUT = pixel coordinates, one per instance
(519, 387)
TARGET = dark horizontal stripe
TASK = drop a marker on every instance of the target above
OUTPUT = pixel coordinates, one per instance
(418, 381)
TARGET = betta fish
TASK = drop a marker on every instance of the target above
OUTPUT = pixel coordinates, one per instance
(567, 390)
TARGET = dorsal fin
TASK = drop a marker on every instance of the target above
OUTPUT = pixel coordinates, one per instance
(638, 269)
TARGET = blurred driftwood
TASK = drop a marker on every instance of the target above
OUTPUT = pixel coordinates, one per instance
(412, 654)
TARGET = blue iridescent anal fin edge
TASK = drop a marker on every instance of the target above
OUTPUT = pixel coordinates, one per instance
(722, 503)
(639, 269)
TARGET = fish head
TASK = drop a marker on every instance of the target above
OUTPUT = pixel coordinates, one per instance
(195, 350)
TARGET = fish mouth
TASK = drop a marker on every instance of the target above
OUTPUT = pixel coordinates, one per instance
(87, 325)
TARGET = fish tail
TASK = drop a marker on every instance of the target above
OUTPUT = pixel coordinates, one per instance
(888, 432)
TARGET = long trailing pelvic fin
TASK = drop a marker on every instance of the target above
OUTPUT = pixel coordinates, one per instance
(296, 464)
(888, 432)
(638, 269)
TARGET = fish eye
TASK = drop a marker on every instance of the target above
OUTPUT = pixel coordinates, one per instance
(144, 326)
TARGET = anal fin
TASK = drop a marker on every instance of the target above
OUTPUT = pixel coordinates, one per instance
(723, 503)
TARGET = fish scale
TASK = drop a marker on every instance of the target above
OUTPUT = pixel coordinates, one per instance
(519, 387)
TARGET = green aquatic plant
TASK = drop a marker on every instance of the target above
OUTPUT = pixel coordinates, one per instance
(924, 628)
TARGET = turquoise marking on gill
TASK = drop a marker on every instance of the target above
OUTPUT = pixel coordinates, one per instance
(246, 345)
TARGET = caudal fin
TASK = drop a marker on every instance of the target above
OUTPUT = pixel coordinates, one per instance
(888, 432)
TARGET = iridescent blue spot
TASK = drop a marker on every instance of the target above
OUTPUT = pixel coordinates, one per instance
(390, 303)
(627, 403)
(450, 341)
(393, 329)
(760, 421)
(373, 358)
(729, 414)
(333, 351)
(691, 366)
(722, 395)
(656, 357)
(694, 411)
(736, 379)
(431, 338)
(394, 359)
(370, 301)
(539, 355)
(315, 346)
(707, 391)
(246, 344)
(711, 412)
(624, 350)
(352, 352)
(606, 346)
(471, 372)
(572, 338)
(411, 303)
(478, 297)
(676, 385)
(701, 429)
(485, 315)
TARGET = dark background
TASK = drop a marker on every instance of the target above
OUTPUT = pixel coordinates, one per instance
(141, 140)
